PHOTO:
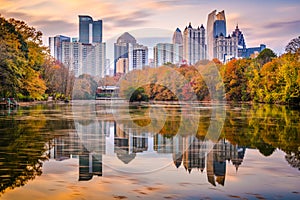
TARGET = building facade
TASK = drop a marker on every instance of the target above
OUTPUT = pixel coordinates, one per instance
(137, 56)
(122, 65)
(84, 58)
(178, 46)
(126, 47)
(226, 48)
(216, 24)
(194, 47)
(86, 55)
(55, 45)
(89, 31)
(121, 48)
(163, 53)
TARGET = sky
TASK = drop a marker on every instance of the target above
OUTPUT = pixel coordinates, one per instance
(270, 22)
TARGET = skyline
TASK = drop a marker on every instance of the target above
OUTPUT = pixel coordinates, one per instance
(264, 22)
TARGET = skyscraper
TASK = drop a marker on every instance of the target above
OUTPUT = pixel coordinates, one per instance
(89, 31)
(163, 53)
(194, 47)
(84, 58)
(121, 48)
(138, 56)
(178, 46)
(55, 45)
(216, 24)
(177, 37)
(226, 48)
(126, 47)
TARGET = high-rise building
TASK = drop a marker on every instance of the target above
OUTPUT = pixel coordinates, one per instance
(169, 52)
(226, 48)
(163, 53)
(243, 51)
(127, 47)
(84, 58)
(121, 48)
(216, 24)
(55, 45)
(241, 39)
(177, 37)
(86, 55)
(178, 46)
(89, 31)
(194, 47)
(138, 56)
(122, 66)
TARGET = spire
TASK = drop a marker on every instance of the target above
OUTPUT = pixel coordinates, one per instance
(178, 30)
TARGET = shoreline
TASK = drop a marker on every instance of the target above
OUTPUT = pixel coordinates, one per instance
(32, 103)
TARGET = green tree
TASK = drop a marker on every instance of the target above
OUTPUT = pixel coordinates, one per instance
(139, 95)
(265, 56)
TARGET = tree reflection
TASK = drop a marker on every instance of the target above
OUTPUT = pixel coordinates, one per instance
(27, 136)
(24, 144)
(263, 127)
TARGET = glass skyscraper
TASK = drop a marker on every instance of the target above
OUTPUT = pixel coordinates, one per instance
(216, 24)
(89, 31)
(219, 28)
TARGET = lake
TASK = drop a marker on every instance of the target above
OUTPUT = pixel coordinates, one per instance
(113, 150)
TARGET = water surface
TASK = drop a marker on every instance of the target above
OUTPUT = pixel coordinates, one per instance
(96, 150)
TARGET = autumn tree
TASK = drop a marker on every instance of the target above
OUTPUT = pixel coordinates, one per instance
(236, 79)
(21, 57)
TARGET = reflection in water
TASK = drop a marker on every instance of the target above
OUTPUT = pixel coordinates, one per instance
(32, 136)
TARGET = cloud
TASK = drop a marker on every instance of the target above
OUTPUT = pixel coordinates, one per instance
(17, 15)
(287, 25)
(46, 25)
(37, 5)
(128, 20)
(179, 2)
(54, 27)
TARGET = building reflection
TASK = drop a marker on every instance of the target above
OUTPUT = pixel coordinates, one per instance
(88, 144)
(193, 153)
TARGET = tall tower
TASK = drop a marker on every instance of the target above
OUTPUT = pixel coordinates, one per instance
(178, 46)
(216, 24)
(121, 49)
(89, 31)
(55, 45)
(194, 48)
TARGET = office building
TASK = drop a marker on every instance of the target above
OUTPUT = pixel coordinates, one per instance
(122, 65)
(163, 53)
(55, 45)
(226, 48)
(89, 31)
(178, 46)
(194, 47)
(243, 51)
(121, 48)
(86, 55)
(126, 47)
(84, 58)
(137, 56)
(216, 25)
